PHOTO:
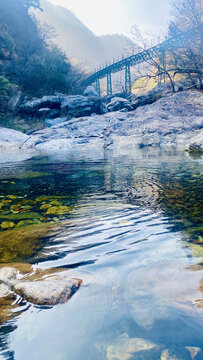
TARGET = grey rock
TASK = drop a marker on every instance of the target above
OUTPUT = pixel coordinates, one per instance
(47, 292)
(4, 290)
(124, 348)
(50, 291)
(195, 142)
(11, 139)
(32, 106)
(52, 122)
(173, 120)
(90, 91)
(148, 98)
(7, 274)
(79, 105)
(118, 103)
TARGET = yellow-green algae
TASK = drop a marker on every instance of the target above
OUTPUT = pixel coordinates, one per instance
(58, 210)
(7, 225)
(30, 175)
(22, 242)
(18, 211)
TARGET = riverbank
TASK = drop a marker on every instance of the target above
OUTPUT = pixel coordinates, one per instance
(174, 120)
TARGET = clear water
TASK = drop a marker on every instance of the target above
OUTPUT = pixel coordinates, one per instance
(133, 236)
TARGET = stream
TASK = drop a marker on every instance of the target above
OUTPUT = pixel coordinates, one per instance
(128, 225)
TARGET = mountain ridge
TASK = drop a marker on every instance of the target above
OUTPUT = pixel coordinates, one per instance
(80, 44)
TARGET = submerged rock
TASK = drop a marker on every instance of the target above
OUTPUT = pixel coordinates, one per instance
(22, 242)
(167, 356)
(194, 351)
(124, 348)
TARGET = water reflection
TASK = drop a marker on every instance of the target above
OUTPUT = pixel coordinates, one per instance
(134, 236)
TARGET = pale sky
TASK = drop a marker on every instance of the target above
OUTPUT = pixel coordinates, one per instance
(118, 16)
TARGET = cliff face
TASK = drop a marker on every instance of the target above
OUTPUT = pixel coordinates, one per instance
(78, 42)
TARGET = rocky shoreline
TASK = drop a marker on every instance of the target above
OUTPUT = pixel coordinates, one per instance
(158, 118)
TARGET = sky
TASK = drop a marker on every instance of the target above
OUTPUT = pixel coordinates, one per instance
(118, 16)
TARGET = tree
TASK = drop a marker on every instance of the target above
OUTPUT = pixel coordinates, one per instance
(6, 44)
(188, 57)
(155, 67)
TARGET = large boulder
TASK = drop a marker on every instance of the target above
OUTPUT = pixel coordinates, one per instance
(79, 105)
(54, 106)
(32, 106)
(149, 98)
(118, 103)
(90, 91)
(47, 292)
(54, 289)
(56, 121)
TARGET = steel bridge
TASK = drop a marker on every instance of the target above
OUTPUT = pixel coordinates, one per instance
(158, 50)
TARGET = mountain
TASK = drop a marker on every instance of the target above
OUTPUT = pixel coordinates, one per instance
(77, 41)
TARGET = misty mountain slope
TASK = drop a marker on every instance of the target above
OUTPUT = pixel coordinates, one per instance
(78, 42)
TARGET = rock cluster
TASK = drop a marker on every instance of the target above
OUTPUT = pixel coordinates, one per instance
(50, 290)
(157, 118)
(52, 108)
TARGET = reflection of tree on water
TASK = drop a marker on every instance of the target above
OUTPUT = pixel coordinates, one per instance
(179, 195)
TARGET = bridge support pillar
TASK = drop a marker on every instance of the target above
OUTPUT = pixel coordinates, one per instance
(127, 79)
(98, 86)
(109, 84)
